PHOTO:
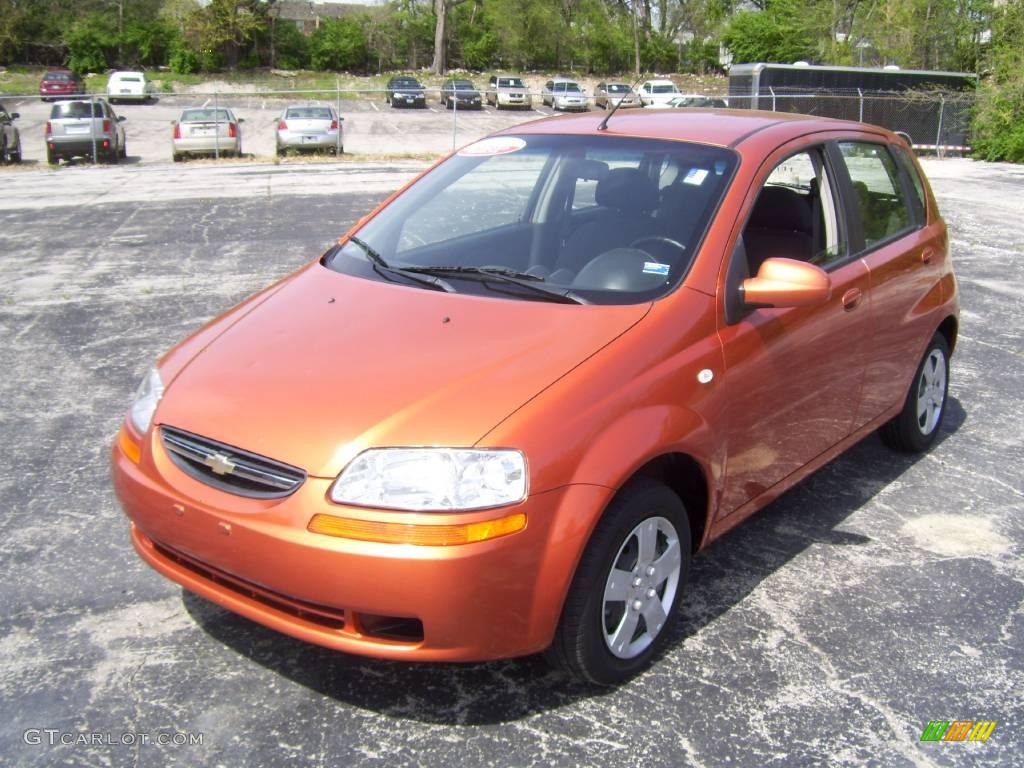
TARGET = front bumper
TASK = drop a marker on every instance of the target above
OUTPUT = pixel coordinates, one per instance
(406, 100)
(493, 599)
(514, 100)
(576, 105)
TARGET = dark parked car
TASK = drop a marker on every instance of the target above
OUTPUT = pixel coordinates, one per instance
(460, 93)
(405, 92)
(10, 138)
(60, 84)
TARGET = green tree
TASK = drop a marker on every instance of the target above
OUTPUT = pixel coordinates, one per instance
(780, 33)
(92, 44)
(999, 116)
(338, 44)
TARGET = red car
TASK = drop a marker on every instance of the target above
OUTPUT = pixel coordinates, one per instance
(60, 84)
(502, 414)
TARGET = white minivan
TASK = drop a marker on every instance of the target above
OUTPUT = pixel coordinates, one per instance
(128, 86)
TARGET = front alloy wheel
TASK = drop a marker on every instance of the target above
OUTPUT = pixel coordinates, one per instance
(625, 595)
(641, 587)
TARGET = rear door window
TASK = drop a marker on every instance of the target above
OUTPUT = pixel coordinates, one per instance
(75, 109)
(878, 194)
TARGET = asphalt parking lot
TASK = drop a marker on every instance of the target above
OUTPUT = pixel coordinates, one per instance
(884, 592)
(370, 126)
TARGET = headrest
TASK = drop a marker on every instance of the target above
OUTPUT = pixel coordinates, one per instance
(590, 170)
(782, 209)
(627, 189)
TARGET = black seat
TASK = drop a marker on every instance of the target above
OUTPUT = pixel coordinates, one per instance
(629, 197)
(781, 225)
(683, 206)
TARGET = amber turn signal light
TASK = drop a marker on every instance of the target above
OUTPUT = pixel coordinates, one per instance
(420, 535)
(128, 446)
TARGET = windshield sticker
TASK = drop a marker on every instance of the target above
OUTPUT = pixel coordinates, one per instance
(499, 145)
(654, 268)
(695, 176)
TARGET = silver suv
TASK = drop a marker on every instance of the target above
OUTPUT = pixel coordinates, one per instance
(504, 91)
(84, 128)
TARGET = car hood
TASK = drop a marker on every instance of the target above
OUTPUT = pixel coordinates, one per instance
(331, 364)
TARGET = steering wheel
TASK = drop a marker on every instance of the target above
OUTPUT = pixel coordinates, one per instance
(658, 239)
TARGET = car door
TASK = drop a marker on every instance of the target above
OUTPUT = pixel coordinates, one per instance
(792, 375)
(904, 255)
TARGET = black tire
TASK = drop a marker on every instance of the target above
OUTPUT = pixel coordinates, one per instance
(3, 152)
(177, 157)
(914, 430)
(580, 647)
(123, 154)
(15, 157)
(51, 158)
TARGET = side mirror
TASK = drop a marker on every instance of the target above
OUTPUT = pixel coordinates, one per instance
(15, 115)
(121, 119)
(241, 120)
(787, 283)
(174, 122)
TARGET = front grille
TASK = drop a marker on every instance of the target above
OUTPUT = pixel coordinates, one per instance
(228, 468)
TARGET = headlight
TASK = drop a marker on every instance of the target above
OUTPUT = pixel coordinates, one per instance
(146, 398)
(432, 479)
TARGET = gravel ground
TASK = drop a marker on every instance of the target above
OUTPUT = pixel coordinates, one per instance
(882, 593)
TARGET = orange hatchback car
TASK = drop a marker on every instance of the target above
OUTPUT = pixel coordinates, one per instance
(501, 415)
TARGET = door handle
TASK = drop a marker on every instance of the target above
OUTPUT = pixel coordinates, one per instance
(851, 299)
(927, 256)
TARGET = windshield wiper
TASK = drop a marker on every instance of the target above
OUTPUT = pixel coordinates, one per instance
(380, 266)
(506, 275)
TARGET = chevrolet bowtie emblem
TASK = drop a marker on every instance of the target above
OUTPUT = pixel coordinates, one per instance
(220, 464)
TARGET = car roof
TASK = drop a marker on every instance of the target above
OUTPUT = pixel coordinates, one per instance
(562, 80)
(132, 72)
(661, 81)
(721, 127)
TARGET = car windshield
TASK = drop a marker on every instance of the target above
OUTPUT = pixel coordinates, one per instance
(462, 85)
(127, 79)
(75, 109)
(308, 113)
(406, 84)
(205, 116)
(617, 88)
(602, 219)
(567, 87)
(63, 76)
(510, 82)
(665, 89)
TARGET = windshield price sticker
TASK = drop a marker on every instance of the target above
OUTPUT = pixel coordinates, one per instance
(499, 145)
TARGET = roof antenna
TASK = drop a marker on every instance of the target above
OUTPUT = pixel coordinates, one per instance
(603, 126)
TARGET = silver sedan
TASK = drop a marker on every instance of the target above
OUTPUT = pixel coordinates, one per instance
(207, 131)
(313, 127)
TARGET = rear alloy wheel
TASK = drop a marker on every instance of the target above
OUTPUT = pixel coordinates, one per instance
(915, 428)
(625, 595)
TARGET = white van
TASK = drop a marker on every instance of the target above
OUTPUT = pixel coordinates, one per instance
(128, 86)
